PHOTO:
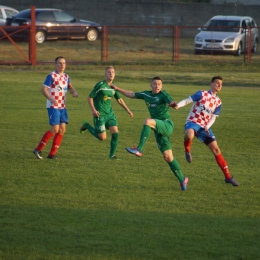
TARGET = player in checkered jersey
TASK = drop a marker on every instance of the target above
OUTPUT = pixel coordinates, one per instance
(206, 108)
(55, 88)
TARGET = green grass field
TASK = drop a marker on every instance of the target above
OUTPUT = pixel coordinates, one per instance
(85, 206)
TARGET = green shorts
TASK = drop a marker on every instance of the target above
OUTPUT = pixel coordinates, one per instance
(162, 132)
(104, 122)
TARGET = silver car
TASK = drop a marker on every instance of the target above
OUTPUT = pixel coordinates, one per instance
(5, 12)
(227, 34)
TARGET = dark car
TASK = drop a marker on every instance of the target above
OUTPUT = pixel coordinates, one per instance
(53, 24)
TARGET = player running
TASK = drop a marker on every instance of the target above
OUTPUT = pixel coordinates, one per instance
(99, 101)
(157, 102)
(206, 108)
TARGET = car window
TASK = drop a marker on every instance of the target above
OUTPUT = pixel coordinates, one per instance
(222, 26)
(10, 13)
(46, 17)
(63, 17)
(1, 14)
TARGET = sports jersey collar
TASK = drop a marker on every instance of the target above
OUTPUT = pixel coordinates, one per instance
(210, 92)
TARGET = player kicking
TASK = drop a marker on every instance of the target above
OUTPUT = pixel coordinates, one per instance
(157, 101)
(206, 108)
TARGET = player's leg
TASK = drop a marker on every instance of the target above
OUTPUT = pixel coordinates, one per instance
(146, 131)
(58, 131)
(53, 115)
(213, 146)
(165, 147)
(189, 134)
(114, 141)
(99, 129)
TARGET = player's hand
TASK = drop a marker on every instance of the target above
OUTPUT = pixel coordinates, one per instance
(173, 105)
(54, 102)
(75, 94)
(206, 130)
(130, 113)
(95, 113)
(113, 86)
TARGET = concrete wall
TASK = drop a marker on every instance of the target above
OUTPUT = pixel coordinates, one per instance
(136, 12)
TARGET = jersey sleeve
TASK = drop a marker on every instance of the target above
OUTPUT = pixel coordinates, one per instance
(139, 95)
(94, 91)
(197, 96)
(217, 110)
(117, 95)
(168, 99)
(48, 81)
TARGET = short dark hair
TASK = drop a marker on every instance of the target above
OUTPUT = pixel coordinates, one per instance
(59, 57)
(156, 78)
(216, 77)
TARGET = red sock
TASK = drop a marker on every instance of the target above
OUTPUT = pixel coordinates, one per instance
(223, 165)
(45, 139)
(55, 144)
(187, 145)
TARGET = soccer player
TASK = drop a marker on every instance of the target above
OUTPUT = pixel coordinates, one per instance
(99, 101)
(157, 102)
(55, 88)
(206, 108)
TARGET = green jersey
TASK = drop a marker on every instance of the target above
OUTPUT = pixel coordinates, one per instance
(156, 103)
(102, 95)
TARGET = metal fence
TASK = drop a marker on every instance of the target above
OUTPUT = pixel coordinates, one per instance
(122, 44)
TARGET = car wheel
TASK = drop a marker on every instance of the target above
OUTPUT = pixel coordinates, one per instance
(239, 50)
(40, 37)
(92, 35)
(255, 46)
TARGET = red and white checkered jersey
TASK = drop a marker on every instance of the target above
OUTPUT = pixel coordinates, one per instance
(205, 105)
(58, 85)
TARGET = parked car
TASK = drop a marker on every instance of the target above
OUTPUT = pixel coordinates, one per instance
(5, 12)
(53, 24)
(227, 34)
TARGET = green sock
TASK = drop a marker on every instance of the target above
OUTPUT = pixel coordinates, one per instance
(92, 130)
(113, 144)
(144, 136)
(176, 169)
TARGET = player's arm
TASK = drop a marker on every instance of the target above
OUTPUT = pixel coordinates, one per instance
(121, 102)
(45, 92)
(210, 123)
(183, 103)
(72, 90)
(127, 93)
(92, 107)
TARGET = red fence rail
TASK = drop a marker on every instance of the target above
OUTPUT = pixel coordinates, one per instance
(123, 44)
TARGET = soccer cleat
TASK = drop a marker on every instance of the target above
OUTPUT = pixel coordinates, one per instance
(83, 127)
(134, 151)
(184, 184)
(231, 181)
(188, 156)
(37, 153)
(114, 158)
(54, 157)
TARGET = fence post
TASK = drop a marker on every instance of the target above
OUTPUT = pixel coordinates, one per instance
(104, 45)
(176, 44)
(249, 40)
(32, 42)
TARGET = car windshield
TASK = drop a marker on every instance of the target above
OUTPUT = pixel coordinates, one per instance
(24, 14)
(222, 26)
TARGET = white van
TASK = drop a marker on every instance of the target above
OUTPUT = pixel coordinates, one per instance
(227, 34)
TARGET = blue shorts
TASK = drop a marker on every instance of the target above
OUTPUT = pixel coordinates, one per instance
(57, 116)
(200, 133)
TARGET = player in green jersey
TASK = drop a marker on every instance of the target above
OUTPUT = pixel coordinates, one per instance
(157, 102)
(99, 101)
